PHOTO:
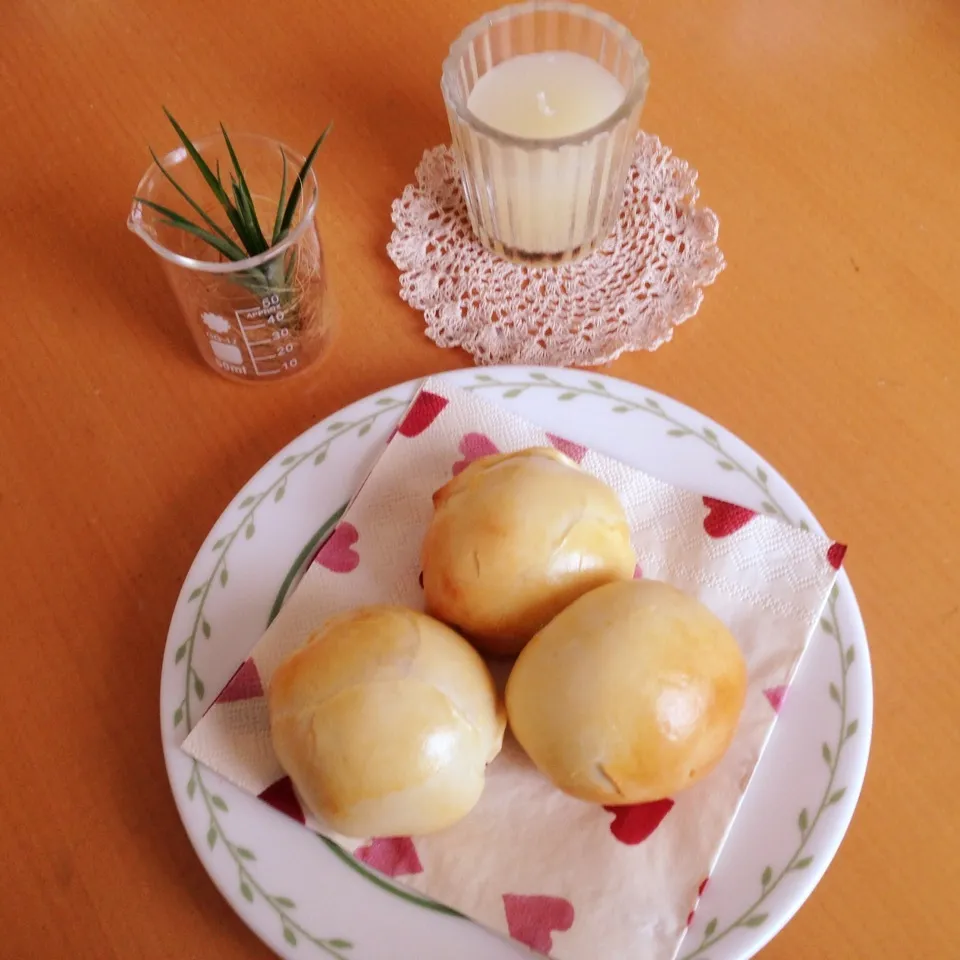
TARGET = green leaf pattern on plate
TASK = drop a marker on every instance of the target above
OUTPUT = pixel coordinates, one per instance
(194, 689)
(715, 930)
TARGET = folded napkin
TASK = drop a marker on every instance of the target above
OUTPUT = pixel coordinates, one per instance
(567, 878)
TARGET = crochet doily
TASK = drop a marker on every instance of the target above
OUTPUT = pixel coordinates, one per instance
(645, 279)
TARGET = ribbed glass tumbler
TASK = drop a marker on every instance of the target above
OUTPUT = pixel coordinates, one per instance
(544, 101)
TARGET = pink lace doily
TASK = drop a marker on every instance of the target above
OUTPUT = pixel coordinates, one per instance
(647, 278)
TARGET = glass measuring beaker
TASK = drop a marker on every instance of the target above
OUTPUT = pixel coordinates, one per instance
(256, 320)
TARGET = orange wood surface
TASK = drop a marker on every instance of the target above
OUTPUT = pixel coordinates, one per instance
(827, 136)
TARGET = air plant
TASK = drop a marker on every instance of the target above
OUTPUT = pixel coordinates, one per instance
(248, 238)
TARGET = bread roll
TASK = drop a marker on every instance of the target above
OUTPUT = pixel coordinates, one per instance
(631, 694)
(514, 539)
(385, 721)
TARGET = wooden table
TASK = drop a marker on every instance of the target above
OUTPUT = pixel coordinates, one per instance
(827, 136)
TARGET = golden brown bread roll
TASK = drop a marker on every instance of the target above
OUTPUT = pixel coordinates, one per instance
(514, 539)
(385, 721)
(631, 694)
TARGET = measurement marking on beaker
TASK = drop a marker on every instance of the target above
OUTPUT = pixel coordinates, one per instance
(273, 345)
(253, 359)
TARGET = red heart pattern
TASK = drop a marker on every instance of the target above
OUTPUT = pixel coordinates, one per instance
(423, 411)
(700, 889)
(473, 446)
(532, 920)
(835, 554)
(394, 856)
(724, 518)
(573, 450)
(245, 684)
(635, 823)
(775, 695)
(281, 796)
(337, 554)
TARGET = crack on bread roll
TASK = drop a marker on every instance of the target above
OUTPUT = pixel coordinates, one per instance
(516, 537)
(631, 694)
(385, 721)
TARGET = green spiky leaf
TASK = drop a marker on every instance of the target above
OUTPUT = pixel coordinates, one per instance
(173, 219)
(207, 219)
(297, 187)
(245, 204)
(209, 176)
(275, 237)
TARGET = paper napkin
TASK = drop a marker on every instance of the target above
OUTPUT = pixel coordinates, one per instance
(567, 878)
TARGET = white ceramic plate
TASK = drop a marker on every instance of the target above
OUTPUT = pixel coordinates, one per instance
(305, 902)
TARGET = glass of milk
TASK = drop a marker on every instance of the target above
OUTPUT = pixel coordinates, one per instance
(544, 101)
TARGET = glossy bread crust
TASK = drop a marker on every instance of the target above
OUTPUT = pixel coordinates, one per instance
(632, 694)
(514, 539)
(385, 721)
